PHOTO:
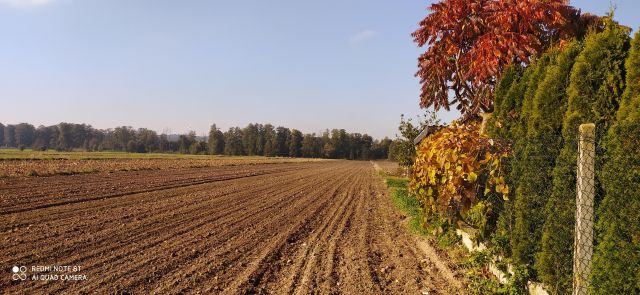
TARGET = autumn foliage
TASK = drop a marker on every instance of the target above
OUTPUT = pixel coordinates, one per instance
(546, 85)
(457, 169)
(470, 42)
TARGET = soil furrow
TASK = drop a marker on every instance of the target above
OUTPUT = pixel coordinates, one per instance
(144, 236)
(291, 228)
(165, 186)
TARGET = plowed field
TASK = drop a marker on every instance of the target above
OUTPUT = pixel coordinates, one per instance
(287, 228)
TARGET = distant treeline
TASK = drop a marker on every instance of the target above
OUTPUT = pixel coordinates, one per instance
(254, 139)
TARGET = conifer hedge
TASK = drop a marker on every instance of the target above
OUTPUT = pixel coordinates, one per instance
(539, 149)
(508, 98)
(525, 234)
(507, 101)
(616, 264)
(596, 84)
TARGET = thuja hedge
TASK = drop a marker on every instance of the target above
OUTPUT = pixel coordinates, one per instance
(526, 232)
(538, 109)
(596, 84)
(508, 101)
(517, 223)
(616, 265)
(539, 150)
(542, 147)
(507, 125)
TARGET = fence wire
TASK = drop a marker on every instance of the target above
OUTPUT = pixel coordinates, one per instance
(585, 216)
(555, 226)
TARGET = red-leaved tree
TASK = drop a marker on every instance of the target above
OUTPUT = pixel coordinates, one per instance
(469, 42)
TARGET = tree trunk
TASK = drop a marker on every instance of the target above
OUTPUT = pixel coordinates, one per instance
(485, 119)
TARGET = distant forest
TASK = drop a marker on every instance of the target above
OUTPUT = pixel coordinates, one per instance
(253, 140)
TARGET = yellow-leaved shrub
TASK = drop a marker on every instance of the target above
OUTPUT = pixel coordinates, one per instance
(457, 175)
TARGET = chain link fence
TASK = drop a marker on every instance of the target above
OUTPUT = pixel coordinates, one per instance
(550, 220)
(585, 215)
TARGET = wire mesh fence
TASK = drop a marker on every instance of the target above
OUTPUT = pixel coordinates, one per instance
(585, 216)
(551, 219)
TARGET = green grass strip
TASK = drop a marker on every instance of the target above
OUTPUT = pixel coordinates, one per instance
(406, 202)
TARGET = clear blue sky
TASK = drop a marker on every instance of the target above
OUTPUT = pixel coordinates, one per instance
(183, 65)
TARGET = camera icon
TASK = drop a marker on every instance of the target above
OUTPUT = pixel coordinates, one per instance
(19, 273)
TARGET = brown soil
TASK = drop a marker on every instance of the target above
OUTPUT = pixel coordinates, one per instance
(45, 167)
(290, 228)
